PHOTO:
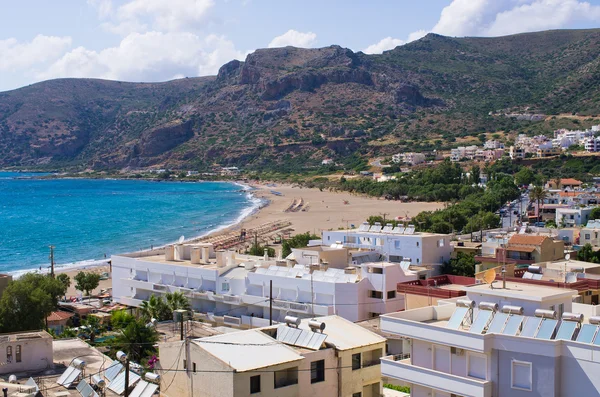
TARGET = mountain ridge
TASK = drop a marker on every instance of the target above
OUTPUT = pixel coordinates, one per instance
(288, 108)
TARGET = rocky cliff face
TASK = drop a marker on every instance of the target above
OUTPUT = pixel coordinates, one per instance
(288, 108)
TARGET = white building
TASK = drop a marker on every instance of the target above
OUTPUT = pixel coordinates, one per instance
(327, 162)
(592, 144)
(328, 356)
(493, 144)
(409, 158)
(522, 340)
(575, 216)
(239, 285)
(25, 352)
(463, 152)
(396, 244)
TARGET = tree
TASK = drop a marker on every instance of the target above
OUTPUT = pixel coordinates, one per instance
(525, 176)
(298, 241)
(538, 194)
(259, 250)
(587, 254)
(177, 301)
(27, 301)
(120, 319)
(475, 174)
(93, 327)
(156, 308)
(595, 214)
(462, 265)
(137, 340)
(87, 282)
(65, 280)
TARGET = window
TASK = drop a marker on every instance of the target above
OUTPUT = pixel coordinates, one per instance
(376, 294)
(18, 353)
(441, 242)
(359, 394)
(317, 371)
(521, 375)
(286, 377)
(184, 364)
(397, 244)
(417, 243)
(476, 365)
(9, 354)
(418, 260)
(225, 287)
(194, 367)
(587, 236)
(355, 361)
(396, 258)
(375, 270)
(255, 384)
(391, 294)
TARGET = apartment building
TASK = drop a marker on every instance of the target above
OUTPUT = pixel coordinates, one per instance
(516, 153)
(397, 244)
(590, 234)
(517, 340)
(25, 352)
(520, 249)
(576, 216)
(463, 152)
(239, 285)
(592, 144)
(325, 356)
(493, 144)
(564, 184)
(543, 152)
(409, 158)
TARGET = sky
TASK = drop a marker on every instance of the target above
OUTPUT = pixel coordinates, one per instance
(159, 40)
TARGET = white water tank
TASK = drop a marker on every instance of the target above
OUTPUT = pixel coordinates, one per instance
(152, 377)
(220, 258)
(350, 270)
(179, 252)
(170, 253)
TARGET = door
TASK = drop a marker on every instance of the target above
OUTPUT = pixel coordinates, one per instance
(441, 359)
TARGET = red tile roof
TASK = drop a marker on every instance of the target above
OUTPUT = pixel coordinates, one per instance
(523, 239)
(570, 181)
(59, 316)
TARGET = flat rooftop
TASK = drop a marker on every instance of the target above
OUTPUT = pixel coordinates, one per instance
(564, 264)
(519, 291)
(248, 350)
(160, 258)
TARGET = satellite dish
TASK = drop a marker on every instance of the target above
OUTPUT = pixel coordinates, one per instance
(489, 276)
(567, 257)
(181, 240)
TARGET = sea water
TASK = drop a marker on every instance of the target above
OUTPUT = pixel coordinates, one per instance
(88, 219)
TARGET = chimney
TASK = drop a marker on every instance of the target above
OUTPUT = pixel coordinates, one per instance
(205, 253)
(220, 258)
(195, 255)
(170, 253)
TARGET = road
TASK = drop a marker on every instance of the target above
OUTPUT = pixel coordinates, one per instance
(510, 219)
(377, 163)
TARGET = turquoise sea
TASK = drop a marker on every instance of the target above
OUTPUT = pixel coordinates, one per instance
(88, 219)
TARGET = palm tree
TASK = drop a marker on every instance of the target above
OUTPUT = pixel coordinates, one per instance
(177, 301)
(155, 307)
(538, 194)
(137, 340)
(93, 327)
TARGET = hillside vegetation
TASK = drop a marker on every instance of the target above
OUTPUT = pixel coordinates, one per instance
(289, 108)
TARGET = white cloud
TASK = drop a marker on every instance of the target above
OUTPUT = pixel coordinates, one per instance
(294, 38)
(151, 56)
(385, 44)
(104, 7)
(25, 55)
(502, 17)
(172, 15)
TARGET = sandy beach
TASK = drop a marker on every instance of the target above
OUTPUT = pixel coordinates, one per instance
(320, 210)
(327, 210)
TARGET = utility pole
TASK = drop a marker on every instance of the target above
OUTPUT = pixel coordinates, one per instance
(271, 302)
(181, 326)
(52, 261)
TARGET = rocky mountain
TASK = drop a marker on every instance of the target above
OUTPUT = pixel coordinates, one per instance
(288, 108)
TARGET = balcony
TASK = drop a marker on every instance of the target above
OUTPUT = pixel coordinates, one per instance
(307, 308)
(129, 301)
(429, 324)
(402, 369)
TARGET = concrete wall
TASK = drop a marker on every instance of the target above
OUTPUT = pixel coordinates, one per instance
(36, 353)
(354, 381)
(545, 375)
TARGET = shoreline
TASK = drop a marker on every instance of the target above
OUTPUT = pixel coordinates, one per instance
(321, 210)
(253, 207)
